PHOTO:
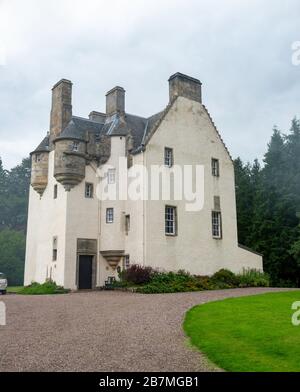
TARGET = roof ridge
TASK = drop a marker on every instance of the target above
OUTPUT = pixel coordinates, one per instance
(86, 119)
(135, 115)
(155, 114)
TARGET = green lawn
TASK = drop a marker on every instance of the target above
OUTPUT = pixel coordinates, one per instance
(14, 289)
(248, 334)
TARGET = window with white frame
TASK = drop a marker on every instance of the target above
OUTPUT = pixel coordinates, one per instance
(111, 176)
(168, 157)
(127, 223)
(75, 146)
(89, 190)
(216, 224)
(215, 167)
(109, 215)
(170, 220)
(126, 261)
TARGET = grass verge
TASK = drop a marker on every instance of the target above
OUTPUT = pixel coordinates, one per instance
(246, 334)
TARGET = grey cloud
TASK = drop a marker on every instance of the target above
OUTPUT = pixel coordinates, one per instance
(241, 51)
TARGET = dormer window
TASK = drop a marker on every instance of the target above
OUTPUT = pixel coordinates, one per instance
(75, 146)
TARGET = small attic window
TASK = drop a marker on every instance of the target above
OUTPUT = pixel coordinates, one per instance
(75, 146)
(37, 157)
(215, 167)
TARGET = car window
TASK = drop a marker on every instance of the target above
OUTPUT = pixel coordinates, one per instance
(2, 276)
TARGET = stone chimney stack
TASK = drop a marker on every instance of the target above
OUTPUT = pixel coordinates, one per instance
(61, 111)
(185, 86)
(115, 101)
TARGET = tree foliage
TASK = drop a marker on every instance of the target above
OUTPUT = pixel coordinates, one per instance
(14, 190)
(268, 205)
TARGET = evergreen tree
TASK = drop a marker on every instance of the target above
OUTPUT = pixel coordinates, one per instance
(275, 161)
(292, 149)
(244, 199)
(12, 245)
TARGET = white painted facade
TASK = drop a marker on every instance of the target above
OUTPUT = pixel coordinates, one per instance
(186, 128)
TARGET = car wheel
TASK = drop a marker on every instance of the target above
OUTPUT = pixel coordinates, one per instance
(3, 292)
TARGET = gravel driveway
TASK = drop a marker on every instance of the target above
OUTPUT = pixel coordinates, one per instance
(102, 331)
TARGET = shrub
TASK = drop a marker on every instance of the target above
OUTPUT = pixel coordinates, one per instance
(253, 278)
(204, 282)
(224, 279)
(181, 281)
(137, 274)
(173, 282)
(48, 287)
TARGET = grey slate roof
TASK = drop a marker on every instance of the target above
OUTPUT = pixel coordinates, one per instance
(77, 128)
(43, 146)
(135, 126)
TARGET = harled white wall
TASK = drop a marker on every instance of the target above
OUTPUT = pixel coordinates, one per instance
(187, 129)
(46, 219)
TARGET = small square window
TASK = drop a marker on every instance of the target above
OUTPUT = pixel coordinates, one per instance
(216, 224)
(75, 146)
(89, 190)
(111, 176)
(55, 192)
(127, 223)
(126, 261)
(109, 215)
(168, 157)
(170, 220)
(215, 167)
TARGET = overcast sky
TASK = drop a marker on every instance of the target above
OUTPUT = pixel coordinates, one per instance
(239, 49)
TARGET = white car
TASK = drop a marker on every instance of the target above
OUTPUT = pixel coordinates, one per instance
(3, 283)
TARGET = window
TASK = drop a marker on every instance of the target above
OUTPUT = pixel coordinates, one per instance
(37, 157)
(111, 176)
(168, 157)
(126, 261)
(170, 220)
(54, 249)
(215, 167)
(55, 192)
(89, 189)
(109, 215)
(75, 146)
(216, 224)
(127, 223)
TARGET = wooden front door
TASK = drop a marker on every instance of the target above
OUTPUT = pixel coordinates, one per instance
(85, 272)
